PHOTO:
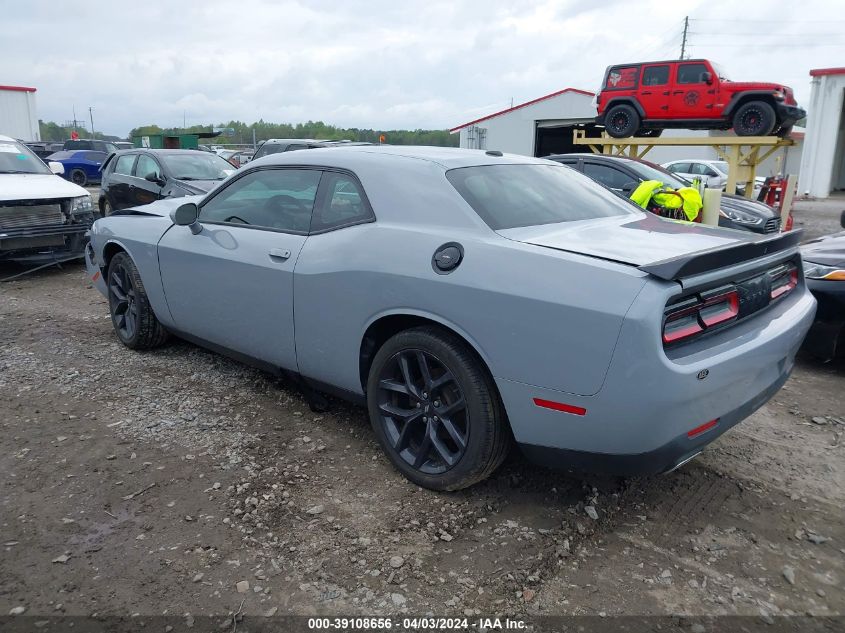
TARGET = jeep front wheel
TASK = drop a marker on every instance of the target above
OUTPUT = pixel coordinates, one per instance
(622, 121)
(755, 118)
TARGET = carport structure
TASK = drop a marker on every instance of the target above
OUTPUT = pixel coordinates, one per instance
(539, 127)
(823, 160)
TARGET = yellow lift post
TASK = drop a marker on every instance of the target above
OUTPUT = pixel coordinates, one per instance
(741, 153)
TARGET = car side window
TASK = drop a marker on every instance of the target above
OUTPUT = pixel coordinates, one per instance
(95, 157)
(656, 75)
(278, 199)
(146, 166)
(691, 73)
(679, 168)
(295, 146)
(124, 164)
(608, 176)
(341, 202)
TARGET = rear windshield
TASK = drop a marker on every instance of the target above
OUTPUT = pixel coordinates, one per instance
(510, 196)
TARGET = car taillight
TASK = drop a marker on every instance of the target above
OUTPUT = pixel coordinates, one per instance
(790, 222)
(783, 282)
(694, 316)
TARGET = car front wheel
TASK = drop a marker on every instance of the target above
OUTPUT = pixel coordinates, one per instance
(435, 410)
(755, 118)
(78, 177)
(132, 316)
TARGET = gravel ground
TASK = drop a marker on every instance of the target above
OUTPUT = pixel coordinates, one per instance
(180, 482)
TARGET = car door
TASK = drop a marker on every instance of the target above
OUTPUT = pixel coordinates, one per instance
(119, 181)
(654, 90)
(94, 163)
(147, 181)
(692, 97)
(231, 284)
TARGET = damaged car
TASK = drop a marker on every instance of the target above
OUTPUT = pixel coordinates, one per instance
(469, 299)
(43, 217)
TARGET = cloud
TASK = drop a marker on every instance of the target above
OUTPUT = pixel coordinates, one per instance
(372, 63)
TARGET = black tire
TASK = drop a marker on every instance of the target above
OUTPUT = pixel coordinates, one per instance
(78, 177)
(424, 448)
(132, 316)
(755, 118)
(621, 121)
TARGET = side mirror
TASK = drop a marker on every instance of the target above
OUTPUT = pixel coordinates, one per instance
(186, 215)
(707, 78)
(56, 168)
(154, 178)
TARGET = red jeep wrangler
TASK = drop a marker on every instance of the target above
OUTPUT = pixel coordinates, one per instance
(643, 99)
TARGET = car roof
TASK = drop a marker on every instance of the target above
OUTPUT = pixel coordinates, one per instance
(660, 61)
(7, 138)
(445, 157)
(294, 140)
(159, 151)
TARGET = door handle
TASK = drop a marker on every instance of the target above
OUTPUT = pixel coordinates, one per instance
(666, 93)
(646, 92)
(678, 92)
(279, 253)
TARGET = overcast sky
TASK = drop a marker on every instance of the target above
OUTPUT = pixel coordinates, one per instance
(378, 63)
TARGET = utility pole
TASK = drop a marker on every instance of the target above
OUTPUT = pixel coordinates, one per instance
(91, 114)
(684, 40)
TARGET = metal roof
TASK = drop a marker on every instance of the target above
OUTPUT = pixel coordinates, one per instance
(523, 105)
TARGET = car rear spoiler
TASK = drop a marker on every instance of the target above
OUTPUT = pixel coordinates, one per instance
(703, 261)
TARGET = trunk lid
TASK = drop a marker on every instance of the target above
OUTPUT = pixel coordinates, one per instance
(663, 248)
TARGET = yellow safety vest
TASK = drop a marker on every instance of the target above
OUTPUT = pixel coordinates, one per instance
(686, 197)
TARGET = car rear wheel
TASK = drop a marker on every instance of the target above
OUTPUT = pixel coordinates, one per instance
(622, 121)
(132, 316)
(755, 118)
(78, 177)
(435, 410)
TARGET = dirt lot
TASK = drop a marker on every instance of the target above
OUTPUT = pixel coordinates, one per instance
(180, 482)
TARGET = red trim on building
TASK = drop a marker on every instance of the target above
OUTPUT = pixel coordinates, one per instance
(527, 103)
(821, 72)
(17, 88)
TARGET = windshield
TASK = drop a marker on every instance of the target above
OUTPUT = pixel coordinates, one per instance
(16, 158)
(650, 171)
(197, 166)
(720, 71)
(510, 196)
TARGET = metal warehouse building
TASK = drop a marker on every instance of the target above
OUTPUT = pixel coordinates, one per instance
(823, 161)
(536, 128)
(18, 117)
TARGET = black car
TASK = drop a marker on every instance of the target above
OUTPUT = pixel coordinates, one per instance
(43, 149)
(824, 270)
(277, 145)
(89, 143)
(623, 175)
(140, 176)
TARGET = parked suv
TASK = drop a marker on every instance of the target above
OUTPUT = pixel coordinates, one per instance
(642, 98)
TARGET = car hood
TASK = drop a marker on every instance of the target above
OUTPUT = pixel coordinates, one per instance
(159, 208)
(635, 240)
(198, 186)
(828, 250)
(37, 187)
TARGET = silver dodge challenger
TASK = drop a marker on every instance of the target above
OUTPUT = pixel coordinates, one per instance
(469, 299)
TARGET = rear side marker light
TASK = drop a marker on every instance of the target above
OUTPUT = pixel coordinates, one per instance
(560, 406)
(702, 429)
(784, 284)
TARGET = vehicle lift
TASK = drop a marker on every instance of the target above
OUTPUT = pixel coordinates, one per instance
(742, 153)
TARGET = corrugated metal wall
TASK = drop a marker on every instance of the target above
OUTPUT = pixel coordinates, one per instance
(18, 117)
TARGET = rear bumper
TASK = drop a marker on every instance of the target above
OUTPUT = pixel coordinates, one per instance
(639, 421)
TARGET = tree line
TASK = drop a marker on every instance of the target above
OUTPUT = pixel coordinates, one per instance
(242, 133)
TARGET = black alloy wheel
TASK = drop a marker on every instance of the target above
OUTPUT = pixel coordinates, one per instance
(123, 302)
(622, 121)
(132, 315)
(78, 177)
(755, 118)
(435, 409)
(423, 411)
